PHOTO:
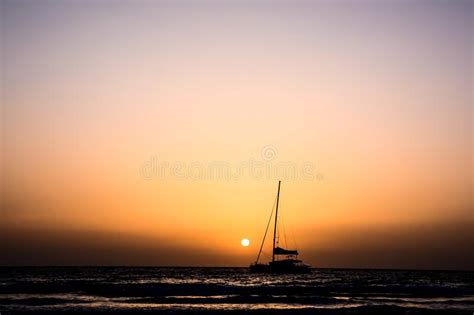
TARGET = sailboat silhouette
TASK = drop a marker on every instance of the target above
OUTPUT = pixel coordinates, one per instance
(289, 264)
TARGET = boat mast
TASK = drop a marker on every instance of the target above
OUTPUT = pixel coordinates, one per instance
(276, 218)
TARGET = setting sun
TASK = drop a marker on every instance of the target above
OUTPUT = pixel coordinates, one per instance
(245, 242)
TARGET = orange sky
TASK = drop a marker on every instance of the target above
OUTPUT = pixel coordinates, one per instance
(376, 99)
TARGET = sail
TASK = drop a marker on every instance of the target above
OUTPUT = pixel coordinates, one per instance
(282, 251)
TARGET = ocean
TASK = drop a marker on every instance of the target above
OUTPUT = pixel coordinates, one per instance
(133, 290)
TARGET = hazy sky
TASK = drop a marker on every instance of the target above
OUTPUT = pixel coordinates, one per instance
(372, 100)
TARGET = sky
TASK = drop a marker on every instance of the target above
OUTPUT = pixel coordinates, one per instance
(116, 116)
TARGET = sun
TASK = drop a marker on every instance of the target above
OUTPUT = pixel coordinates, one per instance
(245, 242)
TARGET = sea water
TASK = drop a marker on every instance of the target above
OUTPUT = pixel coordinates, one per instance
(115, 290)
